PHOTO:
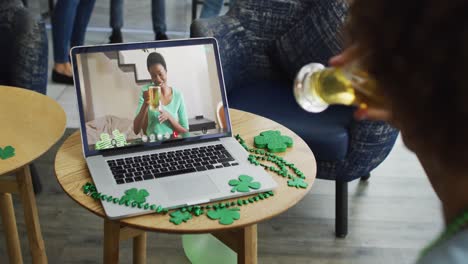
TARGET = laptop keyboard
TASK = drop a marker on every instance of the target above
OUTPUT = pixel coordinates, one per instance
(153, 166)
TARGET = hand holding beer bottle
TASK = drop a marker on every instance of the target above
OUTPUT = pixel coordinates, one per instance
(317, 87)
(151, 100)
(373, 112)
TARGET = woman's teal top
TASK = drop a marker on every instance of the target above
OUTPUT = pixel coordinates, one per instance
(176, 108)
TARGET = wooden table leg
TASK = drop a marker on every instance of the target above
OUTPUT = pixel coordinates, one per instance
(9, 225)
(124, 233)
(139, 249)
(111, 241)
(243, 241)
(31, 218)
(247, 252)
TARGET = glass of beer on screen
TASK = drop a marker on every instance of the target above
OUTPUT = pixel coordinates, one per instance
(316, 87)
(154, 92)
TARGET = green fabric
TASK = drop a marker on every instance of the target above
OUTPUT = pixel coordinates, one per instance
(176, 108)
(206, 249)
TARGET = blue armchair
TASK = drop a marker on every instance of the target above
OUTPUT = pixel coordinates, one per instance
(263, 43)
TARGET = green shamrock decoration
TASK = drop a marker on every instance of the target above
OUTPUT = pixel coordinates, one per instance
(135, 195)
(225, 215)
(298, 183)
(273, 141)
(244, 184)
(178, 217)
(104, 143)
(119, 138)
(7, 152)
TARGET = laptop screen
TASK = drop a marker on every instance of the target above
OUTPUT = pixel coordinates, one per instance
(149, 94)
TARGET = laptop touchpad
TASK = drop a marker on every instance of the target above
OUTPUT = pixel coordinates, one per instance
(185, 188)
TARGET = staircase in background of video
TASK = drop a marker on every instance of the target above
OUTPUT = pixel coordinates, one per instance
(141, 75)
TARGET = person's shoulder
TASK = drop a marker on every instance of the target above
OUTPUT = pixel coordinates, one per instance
(452, 251)
(176, 93)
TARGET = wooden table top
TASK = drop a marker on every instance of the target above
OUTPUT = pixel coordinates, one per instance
(72, 174)
(30, 122)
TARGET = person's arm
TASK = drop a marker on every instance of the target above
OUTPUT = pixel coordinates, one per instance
(180, 126)
(177, 127)
(182, 114)
(141, 120)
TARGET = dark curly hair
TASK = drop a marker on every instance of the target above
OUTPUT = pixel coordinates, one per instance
(417, 51)
(155, 58)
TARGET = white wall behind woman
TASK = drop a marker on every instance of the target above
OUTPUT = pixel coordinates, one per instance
(111, 91)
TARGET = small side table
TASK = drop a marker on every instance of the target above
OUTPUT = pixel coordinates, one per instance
(31, 123)
(241, 236)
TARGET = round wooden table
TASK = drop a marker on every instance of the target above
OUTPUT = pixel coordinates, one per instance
(241, 236)
(31, 123)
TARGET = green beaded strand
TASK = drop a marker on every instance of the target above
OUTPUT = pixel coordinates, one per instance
(454, 227)
(278, 161)
(90, 190)
(281, 169)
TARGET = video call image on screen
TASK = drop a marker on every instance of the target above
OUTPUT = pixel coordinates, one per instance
(149, 95)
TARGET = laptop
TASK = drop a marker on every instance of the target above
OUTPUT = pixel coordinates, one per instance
(149, 120)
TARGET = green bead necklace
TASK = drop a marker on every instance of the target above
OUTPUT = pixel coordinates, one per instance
(214, 211)
(453, 228)
(90, 190)
(296, 180)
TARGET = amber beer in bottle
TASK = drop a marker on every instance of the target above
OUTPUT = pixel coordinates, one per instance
(317, 87)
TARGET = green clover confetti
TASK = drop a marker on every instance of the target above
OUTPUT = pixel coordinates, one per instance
(244, 184)
(225, 212)
(120, 138)
(178, 217)
(184, 214)
(273, 141)
(104, 143)
(139, 196)
(298, 183)
(225, 215)
(107, 142)
(7, 152)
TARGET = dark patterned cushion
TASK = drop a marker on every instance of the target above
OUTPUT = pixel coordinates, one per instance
(315, 38)
(23, 48)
